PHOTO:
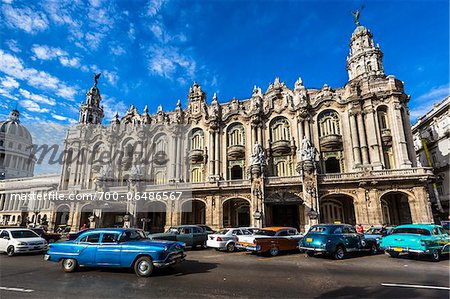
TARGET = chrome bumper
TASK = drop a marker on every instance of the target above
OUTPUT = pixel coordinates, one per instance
(407, 250)
(312, 249)
(170, 262)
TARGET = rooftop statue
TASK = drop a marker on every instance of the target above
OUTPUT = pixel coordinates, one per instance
(96, 76)
(356, 15)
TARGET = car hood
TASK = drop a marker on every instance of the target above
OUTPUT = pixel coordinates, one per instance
(28, 240)
(156, 243)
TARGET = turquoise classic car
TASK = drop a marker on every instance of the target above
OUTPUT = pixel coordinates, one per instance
(418, 239)
(126, 248)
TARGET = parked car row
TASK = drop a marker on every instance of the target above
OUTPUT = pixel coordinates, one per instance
(133, 248)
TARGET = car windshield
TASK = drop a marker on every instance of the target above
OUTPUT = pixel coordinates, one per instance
(318, 229)
(133, 235)
(173, 230)
(223, 232)
(17, 234)
(265, 232)
(374, 231)
(411, 230)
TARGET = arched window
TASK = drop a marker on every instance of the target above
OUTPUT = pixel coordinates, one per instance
(161, 144)
(236, 135)
(280, 129)
(160, 178)
(383, 118)
(329, 123)
(282, 167)
(197, 140)
(196, 175)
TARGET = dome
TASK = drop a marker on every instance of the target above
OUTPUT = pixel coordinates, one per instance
(15, 148)
(12, 127)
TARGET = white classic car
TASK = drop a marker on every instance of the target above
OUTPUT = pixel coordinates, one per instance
(226, 238)
(21, 240)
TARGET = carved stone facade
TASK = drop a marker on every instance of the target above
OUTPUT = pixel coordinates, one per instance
(432, 144)
(286, 156)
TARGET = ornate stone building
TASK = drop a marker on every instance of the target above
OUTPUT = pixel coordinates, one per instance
(432, 144)
(284, 156)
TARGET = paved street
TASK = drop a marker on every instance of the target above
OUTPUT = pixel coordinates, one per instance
(208, 273)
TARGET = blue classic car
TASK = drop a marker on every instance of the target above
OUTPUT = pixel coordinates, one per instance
(336, 240)
(128, 248)
(418, 239)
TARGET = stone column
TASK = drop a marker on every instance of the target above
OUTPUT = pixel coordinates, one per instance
(355, 141)
(362, 139)
(217, 152)
(300, 131)
(399, 137)
(212, 155)
(307, 129)
(374, 149)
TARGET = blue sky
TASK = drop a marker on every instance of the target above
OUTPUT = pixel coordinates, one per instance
(150, 52)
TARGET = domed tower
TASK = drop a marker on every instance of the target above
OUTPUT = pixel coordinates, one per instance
(365, 58)
(91, 112)
(16, 160)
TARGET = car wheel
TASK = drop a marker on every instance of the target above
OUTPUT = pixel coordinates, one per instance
(143, 266)
(310, 253)
(10, 250)
(435, 256)
(339, 254)
(393, 254)
(374, 249)
(69, 265)
(231, 247)
(273, 251)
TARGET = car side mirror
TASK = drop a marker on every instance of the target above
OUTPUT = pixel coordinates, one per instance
(6, 237)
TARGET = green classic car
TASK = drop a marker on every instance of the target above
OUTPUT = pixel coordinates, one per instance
(417, 239)
(191, 235)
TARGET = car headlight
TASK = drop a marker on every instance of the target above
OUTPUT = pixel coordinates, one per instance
(22, 243)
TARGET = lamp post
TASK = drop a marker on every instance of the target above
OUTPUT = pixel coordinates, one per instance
(36, 213)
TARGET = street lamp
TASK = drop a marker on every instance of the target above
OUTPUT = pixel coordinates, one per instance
(36, 213)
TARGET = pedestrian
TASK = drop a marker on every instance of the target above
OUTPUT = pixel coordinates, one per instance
(360, 229)
(84, 226)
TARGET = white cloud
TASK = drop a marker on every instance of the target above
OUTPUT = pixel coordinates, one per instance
(32, 106)
(111, 106)
(154, 6)
(14, 67)
(166, 61)
(9, 82)
(117, 50)
(25, 18)
(13, 45)
(44, 52)
(37, 98)
(70, 62)
(424, 103)
(59, 117)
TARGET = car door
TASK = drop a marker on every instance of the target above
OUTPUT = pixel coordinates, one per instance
(4, 240)
(199, 236)
(292, 239)
(351, 238)
(109, 250)
(86, 248)
(186, 236)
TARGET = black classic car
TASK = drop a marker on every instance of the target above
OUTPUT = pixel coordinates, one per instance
(191, 235)
(49, 237)
(337, 240)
